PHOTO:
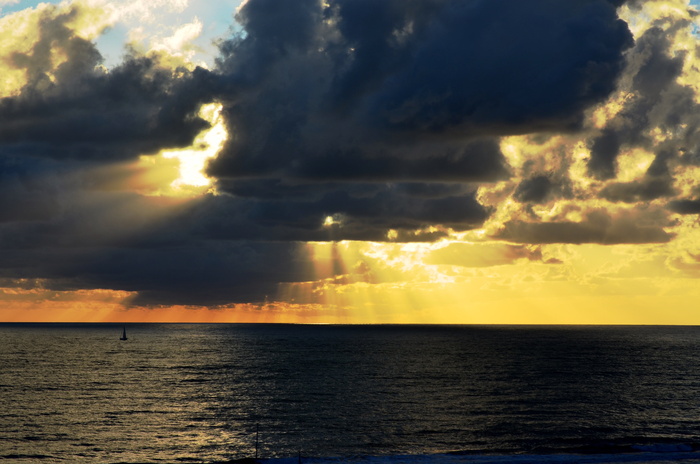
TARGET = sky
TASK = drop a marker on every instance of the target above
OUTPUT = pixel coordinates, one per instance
(350, 161)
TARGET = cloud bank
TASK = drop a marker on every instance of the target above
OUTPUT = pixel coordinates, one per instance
(370, 120)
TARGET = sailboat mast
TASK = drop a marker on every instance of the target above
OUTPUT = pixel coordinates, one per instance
(257, 439)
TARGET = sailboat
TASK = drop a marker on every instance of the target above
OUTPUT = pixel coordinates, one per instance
(123, 337)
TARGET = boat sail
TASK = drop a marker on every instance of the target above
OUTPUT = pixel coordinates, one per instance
(123, 337)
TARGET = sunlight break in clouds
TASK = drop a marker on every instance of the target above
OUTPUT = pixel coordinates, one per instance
(208, 143)
(191, 180)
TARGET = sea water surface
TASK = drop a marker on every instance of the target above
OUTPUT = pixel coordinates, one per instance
(371, 394)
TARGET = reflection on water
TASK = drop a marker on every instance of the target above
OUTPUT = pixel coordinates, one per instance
(79, 390)
(196, 392)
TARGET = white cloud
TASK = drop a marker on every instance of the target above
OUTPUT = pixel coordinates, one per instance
(140, 12)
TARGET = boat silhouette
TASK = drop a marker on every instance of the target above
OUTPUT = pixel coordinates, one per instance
(123, 337)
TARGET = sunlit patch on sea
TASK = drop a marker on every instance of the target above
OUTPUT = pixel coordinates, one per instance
(365, 394)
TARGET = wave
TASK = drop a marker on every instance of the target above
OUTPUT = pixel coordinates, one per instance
(601, 453)
(641, 458)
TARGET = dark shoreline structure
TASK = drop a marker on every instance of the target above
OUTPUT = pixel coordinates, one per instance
(601, 453)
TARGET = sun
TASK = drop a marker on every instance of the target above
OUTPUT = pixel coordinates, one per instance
(206, 146)
(181, 172)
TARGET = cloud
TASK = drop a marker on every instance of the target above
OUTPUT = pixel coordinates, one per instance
(514, 83)
(658, 102)
(358, 116)
(356, 119)
(598, 226)
(70, 233)
(61, 232)
(647, 189)
(211, 273)
(482, 254)
(371, 120)
(361, 212)
(542, 188)
(685, 206)
(74, 109)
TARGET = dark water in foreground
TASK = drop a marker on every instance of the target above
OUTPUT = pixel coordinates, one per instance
(195, 393)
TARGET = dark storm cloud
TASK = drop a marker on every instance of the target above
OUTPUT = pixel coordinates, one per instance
(324, 100)
(597, 227)
(23, 195)
(479, 160)
(80, 111)
(647, 189)
(61, 226)
(210, 251)
(386, 89)
(541, 188)
(556, 59)
(685, 206)
(658, 101)
(656, 183)
(359, 211)
(534, 190)
(327, 92)
(381, 114)
(209, 273)
(167, 252)
(604, 151)
(272, 209)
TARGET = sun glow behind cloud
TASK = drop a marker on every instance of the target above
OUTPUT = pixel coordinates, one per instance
(205, 147)
(181, 172)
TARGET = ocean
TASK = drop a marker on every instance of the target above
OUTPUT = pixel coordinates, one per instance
(212, 393)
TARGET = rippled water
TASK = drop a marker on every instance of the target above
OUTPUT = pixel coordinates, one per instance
(197, 392)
